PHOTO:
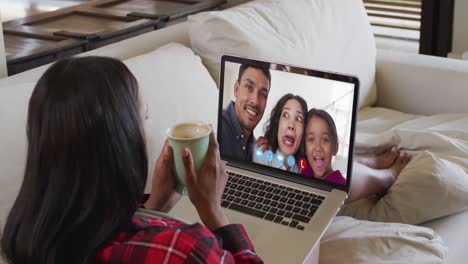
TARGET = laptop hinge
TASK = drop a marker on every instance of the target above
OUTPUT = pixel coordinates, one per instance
(287, 176)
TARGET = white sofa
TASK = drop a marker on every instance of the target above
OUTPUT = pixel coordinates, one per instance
(414, 84)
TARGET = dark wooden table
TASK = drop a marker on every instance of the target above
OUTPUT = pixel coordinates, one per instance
(37, 40)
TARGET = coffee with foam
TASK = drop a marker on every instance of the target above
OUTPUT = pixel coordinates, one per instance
(189, 131)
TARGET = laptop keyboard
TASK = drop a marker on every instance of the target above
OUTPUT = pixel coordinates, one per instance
(277, 203)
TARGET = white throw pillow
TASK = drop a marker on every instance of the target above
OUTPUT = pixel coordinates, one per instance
(14, 101)
(429, 187)
(434, 183)
(177, 88)
(348, 240)
(332, 35)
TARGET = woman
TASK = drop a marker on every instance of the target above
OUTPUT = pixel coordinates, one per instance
(283, 133)
(85, 176)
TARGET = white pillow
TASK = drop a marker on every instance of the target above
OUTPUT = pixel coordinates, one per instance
(348, 240)
(429, 187)
(177, 88)
(322, 34)
(14, 101)
(434, 183)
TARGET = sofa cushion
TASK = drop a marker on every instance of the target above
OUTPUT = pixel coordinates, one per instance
(348, 240)
(14, 100)
(177, 88)
(323, 34)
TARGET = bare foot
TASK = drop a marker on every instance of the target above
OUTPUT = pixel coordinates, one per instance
(387, 177)
(381, 161)
(401, 162)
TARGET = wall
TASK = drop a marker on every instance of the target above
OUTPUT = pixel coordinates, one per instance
(460, 26)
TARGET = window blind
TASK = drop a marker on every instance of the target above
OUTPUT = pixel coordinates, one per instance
(395, 18)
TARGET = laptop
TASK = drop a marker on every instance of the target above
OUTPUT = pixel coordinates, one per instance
(286, 191)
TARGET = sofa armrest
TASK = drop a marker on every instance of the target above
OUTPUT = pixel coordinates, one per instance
(420, 84)
(144, 43)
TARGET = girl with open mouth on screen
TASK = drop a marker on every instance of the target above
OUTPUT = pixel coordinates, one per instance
(373, 175)
(321, 144)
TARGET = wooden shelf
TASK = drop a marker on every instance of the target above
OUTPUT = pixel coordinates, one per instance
(37, 40)
(26, 50)
(164, 10)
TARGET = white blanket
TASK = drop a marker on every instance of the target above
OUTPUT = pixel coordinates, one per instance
(442, 134)
(434, 183)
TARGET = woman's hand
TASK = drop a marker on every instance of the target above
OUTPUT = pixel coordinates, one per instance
(163, 195)
(263, 143)
(206, 188)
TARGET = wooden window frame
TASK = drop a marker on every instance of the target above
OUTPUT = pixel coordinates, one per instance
(436, 27)
(436, 22)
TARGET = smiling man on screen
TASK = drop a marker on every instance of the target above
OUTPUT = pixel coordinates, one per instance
(241, 116)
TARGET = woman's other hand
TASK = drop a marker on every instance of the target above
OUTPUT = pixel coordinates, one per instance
(206, 188)
(263, 143)
(163, 195)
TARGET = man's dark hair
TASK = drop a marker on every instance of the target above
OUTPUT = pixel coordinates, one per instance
(263, 66)
(271, 127)
(86, 164)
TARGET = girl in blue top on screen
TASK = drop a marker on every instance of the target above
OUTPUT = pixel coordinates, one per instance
(283, 134)
(321, 144)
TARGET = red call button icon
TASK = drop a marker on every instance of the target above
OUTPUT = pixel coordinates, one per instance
(302, 163)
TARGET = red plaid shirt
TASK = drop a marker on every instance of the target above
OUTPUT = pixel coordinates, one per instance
(164, 240)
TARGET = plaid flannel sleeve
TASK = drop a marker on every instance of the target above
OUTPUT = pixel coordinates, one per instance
(229, 245)
(234, 239)
(169, 241)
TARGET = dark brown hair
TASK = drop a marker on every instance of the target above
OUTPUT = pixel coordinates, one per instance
(262, 66)
(325, 116)
(86, 165)
(271, 127)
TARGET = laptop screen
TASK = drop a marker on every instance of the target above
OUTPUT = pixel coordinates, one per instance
(295, 120)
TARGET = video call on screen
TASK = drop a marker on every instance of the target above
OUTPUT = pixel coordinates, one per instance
(283, 117)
